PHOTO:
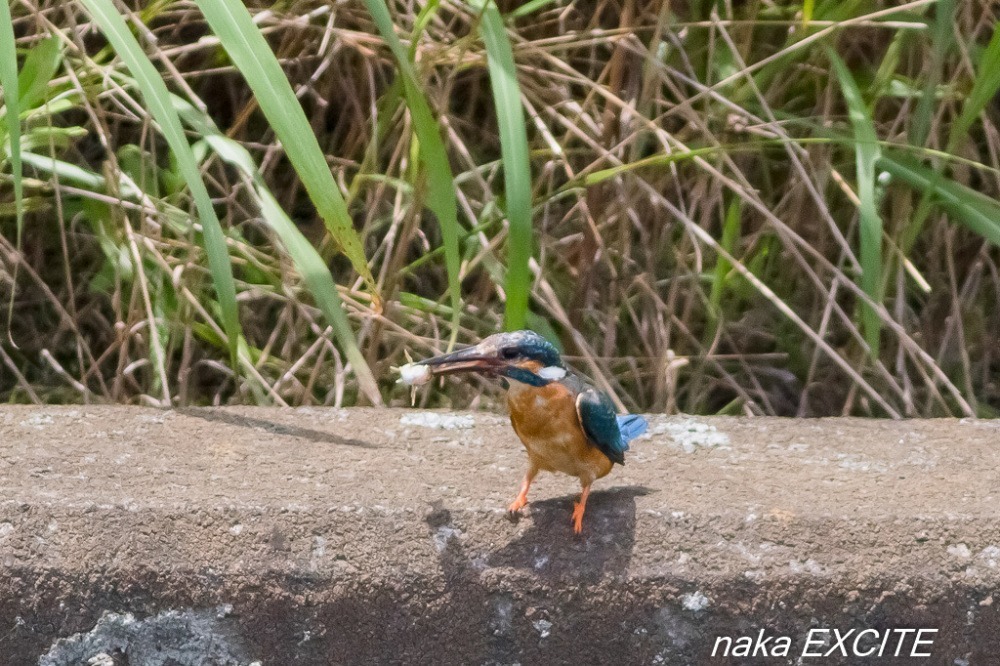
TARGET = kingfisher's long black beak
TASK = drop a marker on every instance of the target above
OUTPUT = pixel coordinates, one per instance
(470, 359)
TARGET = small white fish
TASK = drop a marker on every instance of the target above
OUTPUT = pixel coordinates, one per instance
(413, 374)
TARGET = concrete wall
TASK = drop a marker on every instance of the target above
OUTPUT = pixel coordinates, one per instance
(135, 536)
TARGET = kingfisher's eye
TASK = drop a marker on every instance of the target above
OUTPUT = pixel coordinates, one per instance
(509, 353)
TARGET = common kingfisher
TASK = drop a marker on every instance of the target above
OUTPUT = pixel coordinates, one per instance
(565, 424)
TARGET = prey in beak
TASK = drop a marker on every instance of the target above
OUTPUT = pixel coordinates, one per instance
(483, 358)
(497, 356)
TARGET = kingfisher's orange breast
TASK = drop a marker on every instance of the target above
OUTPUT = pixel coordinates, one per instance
(546, 421)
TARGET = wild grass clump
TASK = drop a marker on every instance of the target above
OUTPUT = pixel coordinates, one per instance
(741, 208)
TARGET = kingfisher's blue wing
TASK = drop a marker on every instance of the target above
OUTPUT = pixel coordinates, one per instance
(600, 423)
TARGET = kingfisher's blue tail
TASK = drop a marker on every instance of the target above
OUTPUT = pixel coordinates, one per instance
(631, 426)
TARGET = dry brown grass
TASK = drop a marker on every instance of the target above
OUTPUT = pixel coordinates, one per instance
(633, 274)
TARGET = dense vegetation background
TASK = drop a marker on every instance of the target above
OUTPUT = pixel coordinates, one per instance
(713, 207)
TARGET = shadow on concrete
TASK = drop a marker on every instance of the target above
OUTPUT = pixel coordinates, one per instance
(547, 550)
(550, 549)
(217, 416)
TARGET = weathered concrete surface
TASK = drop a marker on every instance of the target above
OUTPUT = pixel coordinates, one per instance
(318, 536)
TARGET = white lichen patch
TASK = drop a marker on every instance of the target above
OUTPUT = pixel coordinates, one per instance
(990, 556)
(920, 457)
(691, 434)
(543, 627)
(37, 421)
(176, 636)
(980, 423)
(318, 554)
(440, 421)
(959, 550)
(810, 566)
(860, 463)
(694, 602)
(751, 554)
(503, 615)
(443, 535)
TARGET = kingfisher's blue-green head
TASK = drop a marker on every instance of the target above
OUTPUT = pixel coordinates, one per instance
(523, 356)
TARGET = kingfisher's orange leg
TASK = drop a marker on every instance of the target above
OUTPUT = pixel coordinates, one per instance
(579, 508)
(522, 497)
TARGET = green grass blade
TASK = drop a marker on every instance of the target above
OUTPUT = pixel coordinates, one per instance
(653, 160)
(516, 165)
(307, 260)
(977, 212)
(867, 152)
(984, 90)
(433, 156)
(11, 99)
(157, 99)
(39, 68)
(808, 6)
(730, 234)
(423, 19)
(941, 41)
(920, 127)
(530, 8)
(320, 283)
(250, 52)
(77, 175)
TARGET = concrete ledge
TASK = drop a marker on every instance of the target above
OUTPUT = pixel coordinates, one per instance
(376, 536)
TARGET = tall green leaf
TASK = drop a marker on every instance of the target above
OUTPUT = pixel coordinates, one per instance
(730, 234)
(920, 126)
(249, 51)
(984, 90)
(11, 98)
(39, 68)
(979, 213)
(515, 158)
(867, 152)
(433, 156)
(307, 260)
(941, 41)
(157, 98)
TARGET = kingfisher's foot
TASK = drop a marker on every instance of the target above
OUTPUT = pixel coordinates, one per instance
(514, 510)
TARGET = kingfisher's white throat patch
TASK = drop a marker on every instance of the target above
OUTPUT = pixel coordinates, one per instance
(552, 372)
